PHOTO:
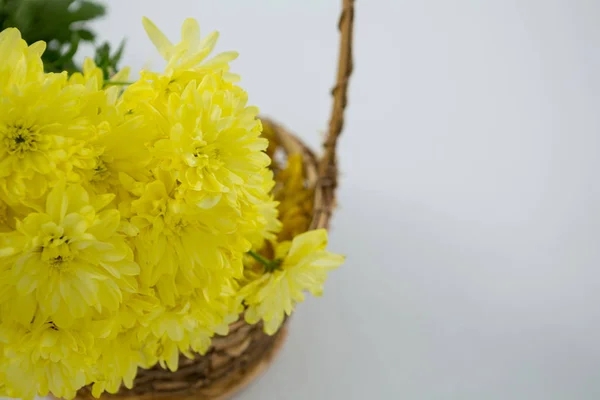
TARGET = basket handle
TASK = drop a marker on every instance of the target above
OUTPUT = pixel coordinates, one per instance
(328, 172)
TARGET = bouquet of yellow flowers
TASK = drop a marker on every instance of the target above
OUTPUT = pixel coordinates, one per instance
(139, 219)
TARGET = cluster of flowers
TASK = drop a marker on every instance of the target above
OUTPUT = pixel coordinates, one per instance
(132, 218)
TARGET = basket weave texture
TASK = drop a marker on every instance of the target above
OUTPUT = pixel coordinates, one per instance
(234, 360)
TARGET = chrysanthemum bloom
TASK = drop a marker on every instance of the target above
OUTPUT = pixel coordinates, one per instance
(185, 60)
(118, 361)
(303, 266)
(118, 138)
(177, 248)
(43, 128)
(41, 138)
(208, 137)
(42, 358)
(65, 261)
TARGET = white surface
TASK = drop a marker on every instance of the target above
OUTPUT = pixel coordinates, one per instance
(470, 192)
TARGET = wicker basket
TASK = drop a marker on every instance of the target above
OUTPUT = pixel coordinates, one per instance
(233, 361)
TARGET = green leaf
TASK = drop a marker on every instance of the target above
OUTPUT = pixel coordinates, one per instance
(86, 35)
(87, 10)
(24, 14)
(107, 62)
(68, 55)
(115, 58)
(62, 24)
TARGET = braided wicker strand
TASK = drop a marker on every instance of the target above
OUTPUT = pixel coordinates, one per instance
(328, 171)
(235, 360)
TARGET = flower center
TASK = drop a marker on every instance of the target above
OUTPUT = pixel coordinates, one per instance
(215, 153)
(159, 207)
(20, 139)
(209, 156)
(60, 262)
(56, 251)
(178, 225)
(101, 172)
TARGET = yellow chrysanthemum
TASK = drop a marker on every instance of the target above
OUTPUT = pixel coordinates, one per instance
(188, 53)
(303, 266)
(205, 130)
(43, 359)
(120, 137)
(66, 260)
(176, 248)
(117, 364)
(185, 60)
(45, 123)
(41, 137)
(209, 138)
(189, 326)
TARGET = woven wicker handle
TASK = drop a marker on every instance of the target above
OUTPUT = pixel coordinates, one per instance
(328, 172)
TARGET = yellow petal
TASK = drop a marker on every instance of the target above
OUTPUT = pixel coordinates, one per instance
(190, 33)
(306, 243)
(38, 48)
(222, 58)
(57, 202)
(160, 41)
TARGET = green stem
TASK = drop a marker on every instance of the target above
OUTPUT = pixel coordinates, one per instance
(269, 265)
(115, 83)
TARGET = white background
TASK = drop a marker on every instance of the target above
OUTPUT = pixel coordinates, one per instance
(470, 196)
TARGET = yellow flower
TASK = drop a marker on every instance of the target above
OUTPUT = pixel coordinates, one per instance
(185, 327)
(50, 123)
(210, 139)
(118, 362)
(43, 359)
(205, 131)
(179, 247)
(304, 264)
(67, 259)
(186, 62)
(119, 137)
(41, 137)
(187, 55)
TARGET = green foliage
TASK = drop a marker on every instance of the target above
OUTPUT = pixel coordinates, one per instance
(62, 25)
(107, 61)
